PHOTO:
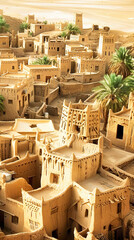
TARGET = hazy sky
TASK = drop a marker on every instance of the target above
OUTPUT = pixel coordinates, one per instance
(118, 14)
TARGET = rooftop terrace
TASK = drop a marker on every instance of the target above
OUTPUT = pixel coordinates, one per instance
(101, 182)
(115, 156)
(46, 192)
(79, 150)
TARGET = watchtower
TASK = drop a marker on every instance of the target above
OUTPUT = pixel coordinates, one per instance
(79, 20)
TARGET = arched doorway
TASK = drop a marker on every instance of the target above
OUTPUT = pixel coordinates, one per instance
(115, 230)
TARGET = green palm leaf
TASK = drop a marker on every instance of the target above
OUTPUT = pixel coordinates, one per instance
(113, 92)
(122, 62)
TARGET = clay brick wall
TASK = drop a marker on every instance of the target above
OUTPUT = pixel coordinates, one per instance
(75, 88)
(53, 95)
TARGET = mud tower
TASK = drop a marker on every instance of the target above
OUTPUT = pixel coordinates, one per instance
(79, 21)
(80, 119)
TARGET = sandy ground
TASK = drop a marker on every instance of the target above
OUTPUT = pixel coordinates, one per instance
(117, 14)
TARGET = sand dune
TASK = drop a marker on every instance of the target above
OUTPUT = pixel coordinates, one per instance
(117, 14)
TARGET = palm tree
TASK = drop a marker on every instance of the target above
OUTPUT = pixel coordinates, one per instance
(71, 29)
(113, 92)
(42, 61)
(24, 25)
(1, 103)
(121, 63)
(63, 35)
(46, 61)
(45, 22)
(4, 27)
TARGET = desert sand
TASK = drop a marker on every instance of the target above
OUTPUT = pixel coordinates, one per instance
(117, 14)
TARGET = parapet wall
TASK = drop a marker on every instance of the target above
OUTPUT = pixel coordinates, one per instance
(36, 235)
(54, 94)
(75, 88)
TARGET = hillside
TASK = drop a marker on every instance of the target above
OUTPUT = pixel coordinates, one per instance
(13, 22)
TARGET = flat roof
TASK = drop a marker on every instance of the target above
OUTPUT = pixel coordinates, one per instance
(14, 75)
(40, 66)
(50, 33)
(46, 192)
(40, 84)
(84, 73)
(33, 125)
(115, 156)
(8, 59)
(67, 152)
(101, 182)
(4, 36)
(128, 167)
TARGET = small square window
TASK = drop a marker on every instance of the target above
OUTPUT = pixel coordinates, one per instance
(13, 67)
(15, 219)
(96, 68)
(10, 101)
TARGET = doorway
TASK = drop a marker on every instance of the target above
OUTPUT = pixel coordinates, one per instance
(55, 233)
(48, 79)
(1, 219)
(30, 180)
(120, 130)
(115, 234)
(118, 234)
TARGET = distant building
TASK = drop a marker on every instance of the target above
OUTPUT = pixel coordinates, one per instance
(106, 46)
(64, 64)
(120, 129)
(4, 41)
(92, 65)
(41, 73)
(38, 28)
(31, 19)
(18, 92)
(48, 46)
(8, 65)
(60, 26)
(79, 21)
(54, 47)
